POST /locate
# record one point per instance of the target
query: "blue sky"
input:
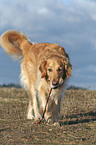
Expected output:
(70, 23)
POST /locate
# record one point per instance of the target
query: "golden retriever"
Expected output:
(44, 66)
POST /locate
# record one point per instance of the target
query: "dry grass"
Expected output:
(77, 120)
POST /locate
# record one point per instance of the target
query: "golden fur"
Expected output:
(43, 66)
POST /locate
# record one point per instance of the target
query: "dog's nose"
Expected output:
(54, 82)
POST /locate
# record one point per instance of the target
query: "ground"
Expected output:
(77, 120)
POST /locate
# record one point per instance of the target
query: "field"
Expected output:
(77, 120)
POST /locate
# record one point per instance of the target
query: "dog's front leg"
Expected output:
(34, 105)
(54, 110)
(30, 112)
(43, 100)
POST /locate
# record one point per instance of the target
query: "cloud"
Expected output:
(70, 23)
(85, 77)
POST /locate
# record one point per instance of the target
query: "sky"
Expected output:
(70, 23)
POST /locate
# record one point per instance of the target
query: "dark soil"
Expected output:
(77, 120)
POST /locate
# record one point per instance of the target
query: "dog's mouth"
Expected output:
(57, 86)
(54, 87)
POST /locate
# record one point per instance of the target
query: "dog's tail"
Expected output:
(14, 43)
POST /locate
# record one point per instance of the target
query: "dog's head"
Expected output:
(55, 70)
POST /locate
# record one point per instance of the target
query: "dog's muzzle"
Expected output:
(55, 84)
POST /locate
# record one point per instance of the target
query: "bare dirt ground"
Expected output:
(77, 120)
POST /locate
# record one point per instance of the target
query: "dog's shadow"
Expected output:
(78, 118)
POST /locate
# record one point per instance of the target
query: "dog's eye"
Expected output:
(50, 70)
(59, 69)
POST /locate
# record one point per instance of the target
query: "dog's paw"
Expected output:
(49, 120)
(30, 117)
(38, 117)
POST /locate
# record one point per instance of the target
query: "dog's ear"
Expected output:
(66, 62)
(68, 69)
(67, 66)
(43, 68)
(14, 43)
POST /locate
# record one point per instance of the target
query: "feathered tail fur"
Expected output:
(14, 43)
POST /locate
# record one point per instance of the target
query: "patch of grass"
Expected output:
(77, 120)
